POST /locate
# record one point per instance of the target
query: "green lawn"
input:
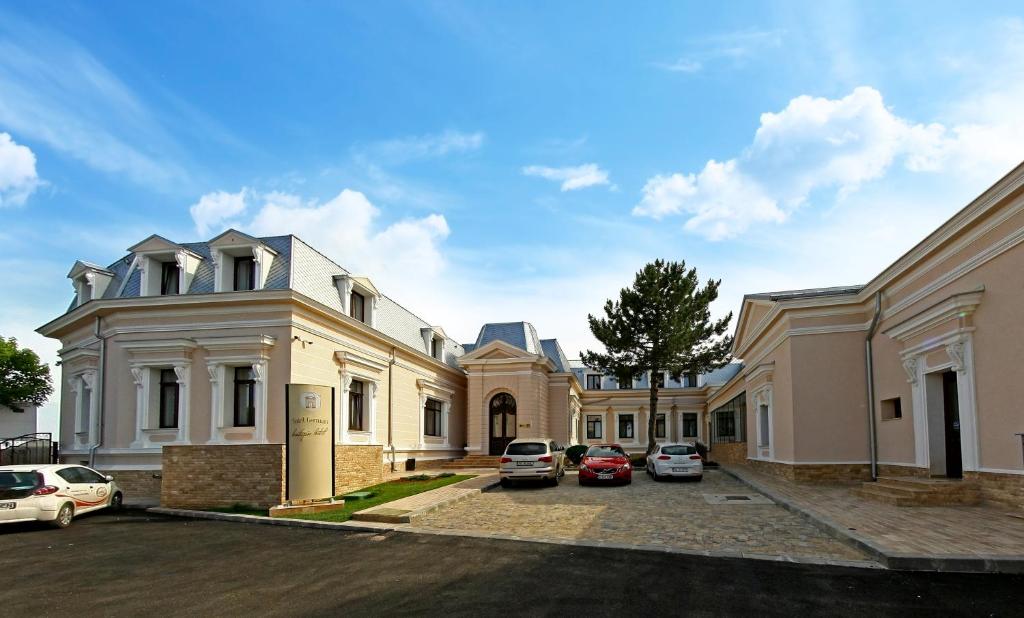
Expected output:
(385, 492)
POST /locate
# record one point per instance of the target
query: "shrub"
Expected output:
(638, 460)
(575, 453)
(417, 477)
(445, 475)
(702, 449)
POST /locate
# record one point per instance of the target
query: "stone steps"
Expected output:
(473, 461)
(914, 491)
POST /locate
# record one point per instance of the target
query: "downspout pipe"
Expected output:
(391, 399)
(100, 380)
(869, 367)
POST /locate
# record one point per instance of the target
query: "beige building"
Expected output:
(175, 360)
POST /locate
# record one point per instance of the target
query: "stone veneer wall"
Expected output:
(731, 452)
(221, 475)
(137, 484)
(891, 470)
(1004, 489)
(357, 466)
(814, 473)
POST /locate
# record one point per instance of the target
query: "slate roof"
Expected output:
(520, 334)
(808, 293)
(554, 351)
(722, 375)
(296, 266)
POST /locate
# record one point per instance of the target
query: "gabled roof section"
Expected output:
(83, 267)
(756, 306)
(554, 352)
(519, 334)
(233, 238)
(363, 282)
(154, 243)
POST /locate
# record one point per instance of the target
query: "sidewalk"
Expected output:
(949, 538)
(407, 510)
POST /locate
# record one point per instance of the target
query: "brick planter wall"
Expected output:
(357, 466)
(1004, 489)
(137, 484)
(732, 452)
(221, 475)
(814, 473)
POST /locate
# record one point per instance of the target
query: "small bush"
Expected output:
(638, 461)
(445, 475)
(575, 453)
(417, 477)
(702, 449)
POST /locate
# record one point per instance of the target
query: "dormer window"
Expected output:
(244, 274)
(659, 380)
(434, 348)
(433, 341)
(90, 281)
(357, 306)
(169, 278)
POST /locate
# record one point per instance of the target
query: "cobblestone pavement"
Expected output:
(672, 514)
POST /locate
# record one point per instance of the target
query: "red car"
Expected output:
(605, 463)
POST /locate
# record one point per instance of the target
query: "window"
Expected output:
(168, 278)
(729, 421)
(527, 448)
(85, 407)
(356, 420)
(435, 349)
(689, 425)
(690, 380)
(659, 380)
(726, 425)
(245, 397)
(168, 399)
(594, 428)
(605, 451)
(594, 382)
(763, 424)
(892, 409)
(659, 426)
(357, 306)
(85, 475)
(679, 449)
(71, 475)
(625, 383)
(626, 426)
(245, 273)
(432, 418)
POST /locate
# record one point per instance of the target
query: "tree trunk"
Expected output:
(652, 417)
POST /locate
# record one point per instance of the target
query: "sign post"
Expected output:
(309, 412)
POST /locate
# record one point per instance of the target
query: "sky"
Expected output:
(495, 161)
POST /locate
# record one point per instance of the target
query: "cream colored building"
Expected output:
(181, 346)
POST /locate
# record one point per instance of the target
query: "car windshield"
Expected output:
(18, 480)
(605, 451)
(681, 449)
(527, 448)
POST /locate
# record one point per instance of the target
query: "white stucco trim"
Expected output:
(636, 428)
(763, 397)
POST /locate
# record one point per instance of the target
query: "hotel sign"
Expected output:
(310, 441)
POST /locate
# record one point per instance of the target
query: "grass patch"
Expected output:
(386, 492)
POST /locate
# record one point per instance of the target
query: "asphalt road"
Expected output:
(134, 564)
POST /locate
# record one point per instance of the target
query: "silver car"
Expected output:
(532, 459)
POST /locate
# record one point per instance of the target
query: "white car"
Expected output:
(532, 459)
(54, 493)
(679, 460)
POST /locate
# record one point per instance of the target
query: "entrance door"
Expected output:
(503, 422)
(951, 414)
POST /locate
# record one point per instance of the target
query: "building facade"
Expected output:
(176, 354)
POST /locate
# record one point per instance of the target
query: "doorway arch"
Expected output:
(502, 410)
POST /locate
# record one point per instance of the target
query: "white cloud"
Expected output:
(682, 65)
(214, 209)
(573, 177)
(18, 178)
(816, 144)
(401, 150)
(732, 47)
(402, 257)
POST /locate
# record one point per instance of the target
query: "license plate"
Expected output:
(524, 463)
(6, 505)
(604, 477)
(679, 469)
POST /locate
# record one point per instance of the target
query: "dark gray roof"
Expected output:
(520, 334)
(554, 351)
(295, 266)
(808, 293)
(468, 347)
(722, 375)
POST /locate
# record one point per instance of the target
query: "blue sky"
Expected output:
(495, 161)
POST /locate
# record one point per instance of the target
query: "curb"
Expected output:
(406, 529)
(970, 563)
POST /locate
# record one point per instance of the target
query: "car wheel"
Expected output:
(582, 483)
(116, 501)
(64, 516)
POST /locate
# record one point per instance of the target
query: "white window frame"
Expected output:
(446, 395)
(587, 423)
(347, 284)
(636, 428)
(682, 424)
(146, 376)
(85, 433)
(369, 371)
(223, 355)
(762, 398)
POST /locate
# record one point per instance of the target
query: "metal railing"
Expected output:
(31, 448)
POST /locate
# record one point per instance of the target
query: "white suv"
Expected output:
(54, 493)
(532, 459)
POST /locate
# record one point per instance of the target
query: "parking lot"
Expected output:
(710, 515)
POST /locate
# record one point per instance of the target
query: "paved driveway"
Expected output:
(673, 514)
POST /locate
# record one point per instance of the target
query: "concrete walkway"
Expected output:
(948, 538)
(408, 510)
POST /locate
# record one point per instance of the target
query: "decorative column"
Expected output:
(182, 372)
(259, 370)
(139, 377)
(419, 414)
(216, 400)
(373, 411)
(342, 430)
(257, 270)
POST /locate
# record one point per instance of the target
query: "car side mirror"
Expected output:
(109, 478)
